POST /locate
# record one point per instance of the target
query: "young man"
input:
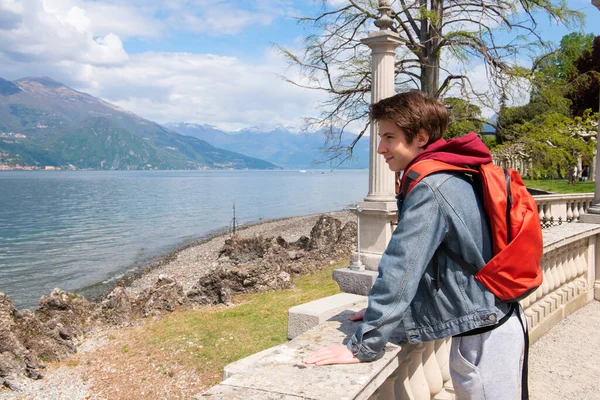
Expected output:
(420, 294)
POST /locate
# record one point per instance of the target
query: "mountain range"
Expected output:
(45, 123)
(280, 146)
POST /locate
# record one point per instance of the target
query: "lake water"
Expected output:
(72, 229)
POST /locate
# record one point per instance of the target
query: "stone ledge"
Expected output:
(245, 364)
(308, 315)
(281, 374)
(559, 236)
(240, 393)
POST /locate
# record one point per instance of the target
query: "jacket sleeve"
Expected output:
(421, 228)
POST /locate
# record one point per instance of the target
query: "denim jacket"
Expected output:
(416, 299)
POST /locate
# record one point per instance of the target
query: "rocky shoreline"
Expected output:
(258, 258)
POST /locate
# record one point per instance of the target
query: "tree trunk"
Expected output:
(430, 37)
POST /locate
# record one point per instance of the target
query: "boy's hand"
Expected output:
(357, 317)
(334, 354)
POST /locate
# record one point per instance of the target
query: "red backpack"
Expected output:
(514, 270)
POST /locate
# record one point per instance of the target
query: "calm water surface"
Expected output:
(72, 229)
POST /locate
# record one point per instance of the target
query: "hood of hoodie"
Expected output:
(464, 150)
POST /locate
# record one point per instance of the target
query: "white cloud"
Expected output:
(55, 31)
(80, 43)
(223, 19)
(102, 18)
(221, 91)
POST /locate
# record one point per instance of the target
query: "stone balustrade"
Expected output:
(418, 372)
(556, 209)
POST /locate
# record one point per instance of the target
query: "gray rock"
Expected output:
(325, 232)
(166, 295)
(116, 307)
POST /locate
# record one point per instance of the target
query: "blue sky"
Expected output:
(199, 61)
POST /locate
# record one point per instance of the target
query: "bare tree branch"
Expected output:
(431, 31)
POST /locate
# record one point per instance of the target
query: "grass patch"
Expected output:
(210, 338)
(560, 186)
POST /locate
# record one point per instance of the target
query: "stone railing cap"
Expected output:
(283, 373)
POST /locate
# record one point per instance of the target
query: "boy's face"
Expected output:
(393, 146)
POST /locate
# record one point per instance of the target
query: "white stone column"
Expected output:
(379, 211)
(383, 46)
(592, 214)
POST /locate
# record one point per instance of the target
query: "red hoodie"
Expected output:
(465, 150)
(461, 151)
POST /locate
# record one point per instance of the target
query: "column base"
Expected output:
(590, 217)
(383, 198)
(355, 282)
(593, 209)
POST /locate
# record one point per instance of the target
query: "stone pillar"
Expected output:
(383, 50)
(592, 214)
(379, 206)
(379, 209)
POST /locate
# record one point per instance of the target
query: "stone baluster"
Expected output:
(448, 383)
(443, 357)
(580, 268)
(547, 266)
(543, 305)
(566, 270)
(561, 259)
(561, 266)
(572, 268)
(555, 298)
(387, 390)
(433, 374)
(418, 381)
(555, 272)
(551, 274)
(547, 212)
(535, 311)
(526, 302)
(573, 262)
(582, 279)
(576, 207)
(541, 211)
(582, 261)
(537, 294)
(402, 386)
(569, 211)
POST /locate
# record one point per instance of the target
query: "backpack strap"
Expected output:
(421, 169)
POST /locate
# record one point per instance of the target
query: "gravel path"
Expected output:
(565, 362)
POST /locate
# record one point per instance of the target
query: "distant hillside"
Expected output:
(279, 146)
(45, 123)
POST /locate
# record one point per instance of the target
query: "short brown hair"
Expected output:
(412, 111)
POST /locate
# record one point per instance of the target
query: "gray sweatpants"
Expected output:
(488, 366)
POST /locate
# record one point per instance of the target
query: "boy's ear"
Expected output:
(422, 138)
